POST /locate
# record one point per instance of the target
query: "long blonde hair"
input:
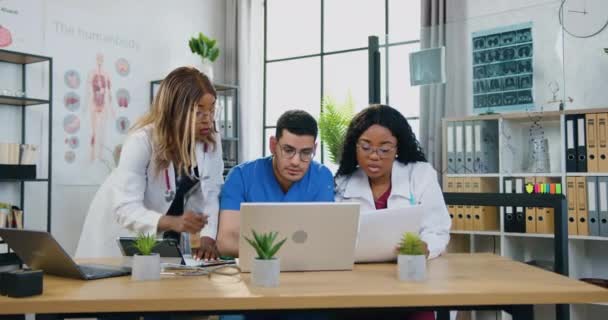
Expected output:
(173, 119)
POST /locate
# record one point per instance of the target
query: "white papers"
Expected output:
(381, 230)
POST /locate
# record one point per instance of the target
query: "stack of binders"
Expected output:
(586, 142)
(449, 185)
(472, 146)
(530, 219)
(514, 220)
(472, 218)
(587, 206)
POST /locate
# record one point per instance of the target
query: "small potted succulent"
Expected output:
(266, 267)
(412, 258)
(146, 265)
(207, 49)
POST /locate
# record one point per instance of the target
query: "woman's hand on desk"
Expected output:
(207, 251)
(188, 222)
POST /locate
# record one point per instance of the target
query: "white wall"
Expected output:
(466, 17)
(162, 27)
(578, 65)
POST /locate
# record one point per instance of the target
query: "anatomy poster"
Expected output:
(99, 93)
(21, 26)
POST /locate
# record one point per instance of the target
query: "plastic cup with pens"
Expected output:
(190, 242)
(184, 245)
(195, 241)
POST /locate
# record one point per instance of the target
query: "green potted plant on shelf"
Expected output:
(266, 267)
(411, 261)
(207, 49)
(333, 123)
(146, 264)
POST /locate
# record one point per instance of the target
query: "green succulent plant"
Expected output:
(333, 123)
(204, 47)
(145, 243)
(264, 244)
(411, 245)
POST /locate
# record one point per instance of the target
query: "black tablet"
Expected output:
(167, 248)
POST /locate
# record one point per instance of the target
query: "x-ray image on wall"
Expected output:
(503, 69)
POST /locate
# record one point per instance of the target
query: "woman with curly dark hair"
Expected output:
(382, 166)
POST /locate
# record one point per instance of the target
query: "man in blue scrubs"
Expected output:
(289, 175)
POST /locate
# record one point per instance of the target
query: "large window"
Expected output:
(317, 48)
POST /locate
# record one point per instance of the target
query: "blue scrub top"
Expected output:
(254, 181)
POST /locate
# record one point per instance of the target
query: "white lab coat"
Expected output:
(132, 199)
(418, 179)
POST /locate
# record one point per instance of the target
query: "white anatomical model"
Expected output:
(100, 104)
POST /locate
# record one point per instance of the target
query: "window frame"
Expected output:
(322, 54)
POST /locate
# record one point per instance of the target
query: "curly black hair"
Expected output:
(408, 147)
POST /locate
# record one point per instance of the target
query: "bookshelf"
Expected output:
(19, 174)
(587, 253)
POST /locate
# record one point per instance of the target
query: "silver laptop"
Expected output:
(320, 235)
(39, 250)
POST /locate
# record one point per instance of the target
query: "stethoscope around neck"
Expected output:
(411, 198)
(169, 192)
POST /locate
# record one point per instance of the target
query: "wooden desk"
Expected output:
(455, 280)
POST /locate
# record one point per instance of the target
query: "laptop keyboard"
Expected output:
(101, 271)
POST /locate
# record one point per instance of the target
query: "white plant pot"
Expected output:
(146, 267)
(265, 273)
(411, 268)
(207, 69)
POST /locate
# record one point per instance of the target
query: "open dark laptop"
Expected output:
(39, 250)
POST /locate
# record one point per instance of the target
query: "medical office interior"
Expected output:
(505, 96)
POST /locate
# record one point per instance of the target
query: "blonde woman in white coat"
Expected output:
(169, 175)
(383, 166)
